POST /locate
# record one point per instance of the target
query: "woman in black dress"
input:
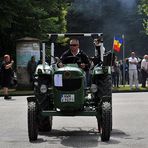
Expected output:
(6, 71)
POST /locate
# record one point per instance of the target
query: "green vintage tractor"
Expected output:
(61, 92)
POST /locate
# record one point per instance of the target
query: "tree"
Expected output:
(111, 18)
(143, 9)
(33, 18)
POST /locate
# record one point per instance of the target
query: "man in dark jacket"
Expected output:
(80, 57)
(31, 67)
(6, 72)
(75, 55)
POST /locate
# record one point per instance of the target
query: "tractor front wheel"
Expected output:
(45, 124)
(105, 121)
(32, 121)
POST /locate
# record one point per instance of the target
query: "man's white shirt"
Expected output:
(132, 66)
(144, 65)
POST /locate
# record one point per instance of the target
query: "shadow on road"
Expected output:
(119, 134)
(115, 135)
(79, 137)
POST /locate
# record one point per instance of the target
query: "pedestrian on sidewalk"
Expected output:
(6, 71)
(133, 72)
(144, 70)
(31, 67)
(116, 72)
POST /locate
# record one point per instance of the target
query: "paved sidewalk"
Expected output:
(14, 92)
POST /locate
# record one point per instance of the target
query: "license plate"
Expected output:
(68, 98)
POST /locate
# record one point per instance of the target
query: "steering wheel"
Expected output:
(72, 60)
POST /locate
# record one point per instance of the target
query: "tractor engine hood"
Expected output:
(70, 71)
(69, 88)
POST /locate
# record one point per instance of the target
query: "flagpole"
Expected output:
(123, 60)
(112, 52)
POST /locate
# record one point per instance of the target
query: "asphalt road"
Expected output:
(130, 126)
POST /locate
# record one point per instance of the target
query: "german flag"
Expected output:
(117, 43)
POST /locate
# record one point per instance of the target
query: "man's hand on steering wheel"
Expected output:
(82, 65)
(60, 65)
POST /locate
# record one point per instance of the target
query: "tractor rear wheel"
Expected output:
(106, 121)
(104, 84)
(32, 121)
(45, 124)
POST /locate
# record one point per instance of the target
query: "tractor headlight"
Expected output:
(93, 88)
(43, 88)
(47, 71)
(35, 83)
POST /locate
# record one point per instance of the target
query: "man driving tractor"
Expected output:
(76, 52)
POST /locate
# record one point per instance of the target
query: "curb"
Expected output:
(128, 91)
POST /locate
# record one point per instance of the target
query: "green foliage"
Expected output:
(143, 9)
(34, 18)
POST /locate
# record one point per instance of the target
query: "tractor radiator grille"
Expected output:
(70, 85)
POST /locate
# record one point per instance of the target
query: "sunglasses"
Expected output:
(73, 44)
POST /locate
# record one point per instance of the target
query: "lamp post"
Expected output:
(123, 60)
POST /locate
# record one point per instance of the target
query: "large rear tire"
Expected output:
(45, 124)
(104, 84)
(106, 121)
(32, 121)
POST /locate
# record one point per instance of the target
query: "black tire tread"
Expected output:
(104, 84)
(32, 121)
(45, 124)
(106, 121)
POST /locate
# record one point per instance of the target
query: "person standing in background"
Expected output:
(31, 67)
(126, 71)
(115, 72)
(6, 71)
(144, 70)
(133, 73)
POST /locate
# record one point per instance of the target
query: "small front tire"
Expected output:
(45, 124)
(32, 121)
(106, 121)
